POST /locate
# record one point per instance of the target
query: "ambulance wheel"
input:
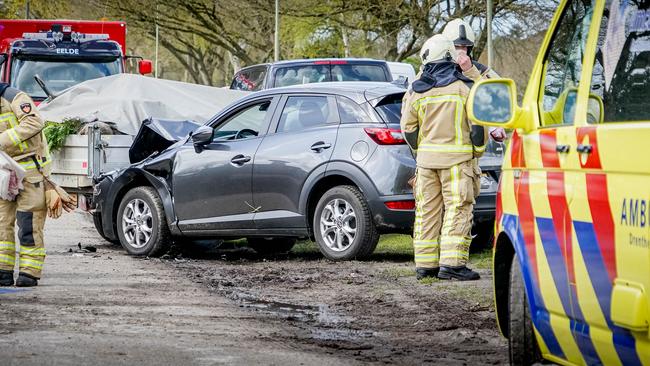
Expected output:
(141, 224)
(343, 225)
(522, 344)
(265, 246)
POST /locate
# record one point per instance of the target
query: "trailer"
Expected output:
(126, 103)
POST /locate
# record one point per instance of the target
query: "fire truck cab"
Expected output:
(62, 53)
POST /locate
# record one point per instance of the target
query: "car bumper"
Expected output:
(401, 221)
(484, 208)
(392, 221)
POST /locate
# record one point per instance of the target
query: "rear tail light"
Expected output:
(386, 136)
(400, 205)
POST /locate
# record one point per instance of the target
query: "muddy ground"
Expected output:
(215, 305)
(370, 311)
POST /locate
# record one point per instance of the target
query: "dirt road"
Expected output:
(106, 308)
(226, 305)
(373, 311)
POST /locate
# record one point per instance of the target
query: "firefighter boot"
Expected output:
(422, 273)
(6, 278)
(461, 273)
(26, 280)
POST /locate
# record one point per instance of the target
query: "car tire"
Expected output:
(141, 224)
(97, 220)
(522, 345)
(264, 246)
(484, 238)
(349, 235)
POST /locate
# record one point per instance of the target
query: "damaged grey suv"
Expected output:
(325, 161)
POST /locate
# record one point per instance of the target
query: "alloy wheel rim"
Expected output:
(137, 223)
(338, 225)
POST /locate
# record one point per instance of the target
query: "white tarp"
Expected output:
(128, 99)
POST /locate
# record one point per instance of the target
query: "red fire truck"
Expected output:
(62, 53)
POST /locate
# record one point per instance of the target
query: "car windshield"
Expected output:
(390, 110)
(355, 72)
(58, 75)
(318, 73)
(296, 75)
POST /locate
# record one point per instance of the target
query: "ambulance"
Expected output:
(572, 244)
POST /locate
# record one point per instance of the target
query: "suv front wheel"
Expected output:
(141, 224)
(343, 225)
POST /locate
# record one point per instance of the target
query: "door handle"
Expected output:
(240, 159)
(320, 146)
(563, 148)
(585, 149)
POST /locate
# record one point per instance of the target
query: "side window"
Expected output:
(620, 83)
(564, 62)
(301, 112)
(351, 112)
(247, 123)
(250, 79)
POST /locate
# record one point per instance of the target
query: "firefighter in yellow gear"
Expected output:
(21, 137)
(435, 126)
(461, 33)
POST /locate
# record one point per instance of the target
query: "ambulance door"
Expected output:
(610, 208)
(550, 156)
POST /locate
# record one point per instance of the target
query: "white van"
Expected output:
(402, 69)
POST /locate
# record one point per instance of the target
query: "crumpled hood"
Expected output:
(156, 135)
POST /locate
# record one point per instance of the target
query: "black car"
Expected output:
(326, 161)
(297, 72)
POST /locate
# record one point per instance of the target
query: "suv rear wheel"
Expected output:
(141, 224)
(521, 340)
(343, 225)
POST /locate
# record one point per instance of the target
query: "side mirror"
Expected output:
(595, 109)
(491, 102)
(144, 67)
(202, 136)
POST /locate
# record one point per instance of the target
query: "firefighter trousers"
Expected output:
(444, 203)
(28, 211)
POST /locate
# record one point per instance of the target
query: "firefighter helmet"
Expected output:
(460, 32)
(438, 48)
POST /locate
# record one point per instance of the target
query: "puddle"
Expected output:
(327, 324)
(340, 334)
(320, 314)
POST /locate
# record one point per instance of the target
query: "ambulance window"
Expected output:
(620, 82)
(563, 64)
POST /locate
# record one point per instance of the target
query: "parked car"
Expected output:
(402, 70)
(326, 161)
(296, 72)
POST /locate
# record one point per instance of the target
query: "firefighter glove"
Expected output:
(53, 201)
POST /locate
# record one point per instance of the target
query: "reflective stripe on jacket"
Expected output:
(439, 118)
(21, 133)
